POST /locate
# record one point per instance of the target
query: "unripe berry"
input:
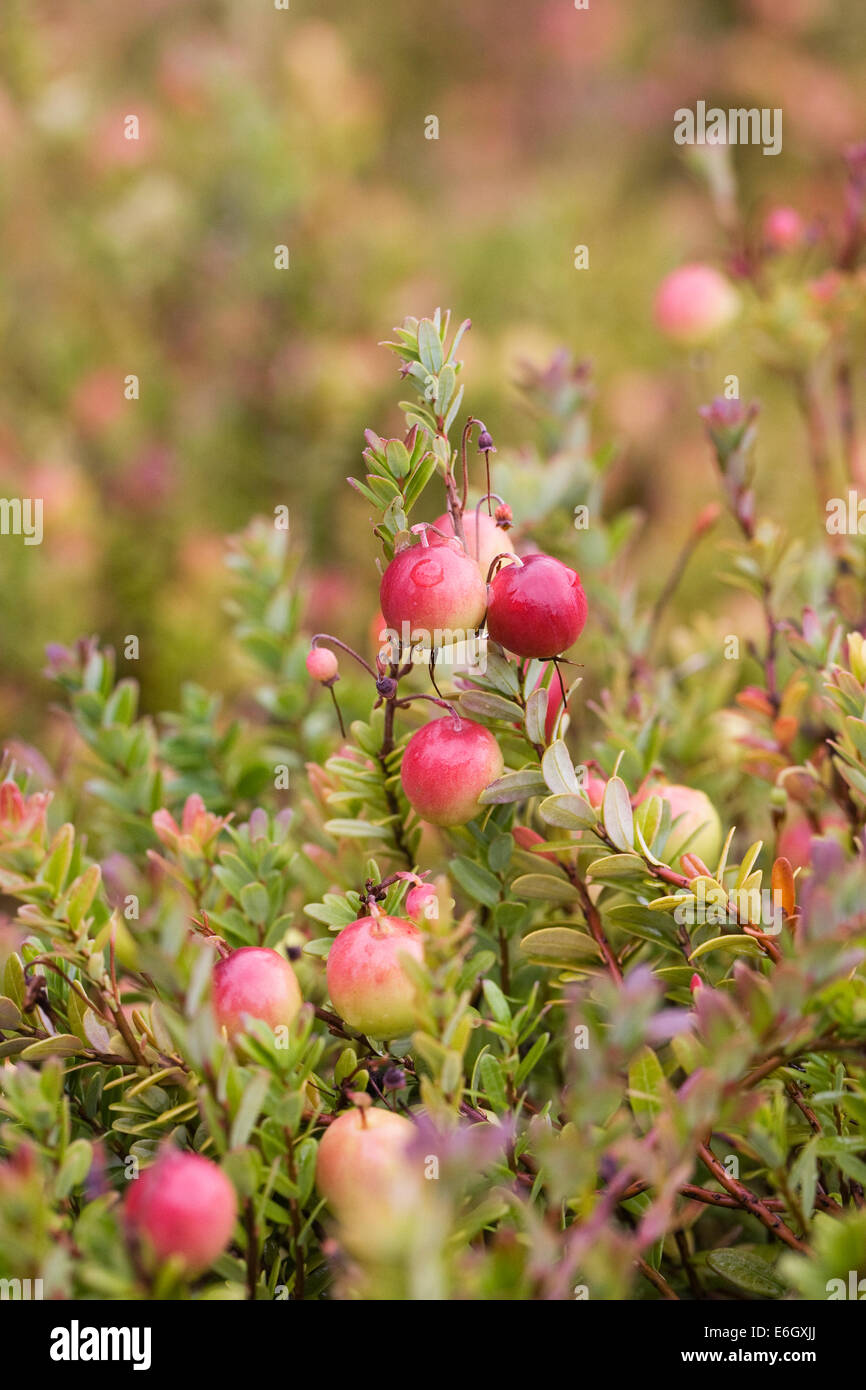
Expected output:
(254, 983)
(537, 608)
(446, 766)
(433, 588)
(367, 982)
(696, 822)
(694, 303)
(182, 1205)
(484, 539)
(322, 664)
(364, 1173)
(527, 838)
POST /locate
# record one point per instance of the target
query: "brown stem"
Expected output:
(657, 1280)
(752, 1204)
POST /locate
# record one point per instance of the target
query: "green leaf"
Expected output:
(617, 814)
(500, 852)
(746, 1271)
(536, 714)
(74, 1168)
(255, 903)
(14, 986)
(356, 830)
(646, 1085)
(559, 946)
(455, 406)
(532, 1058)
(10, 1014)
(544, 888)
(447, 384)
(305, 1166)
(490, 706)
(497, 1002)
(429, 346)
(397, 458)
(320, 947)
(477, 881)
(514, 786)
(558, 769)
(59, 1045)
(616, 866)
(81, 895)
(733, 942)
(568, 811)
(249, 1109)
(493, 1082)
(418, 480)
(56, 866)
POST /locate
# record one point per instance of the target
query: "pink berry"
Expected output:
(362, 1162)
(367, 982)
(432, 589)
(694, 303)
(484, 539)
(254, 983)
(783, 228)
(537, 608)
(446, 766)
(322, 664)
(420, 899)
(182, 1205)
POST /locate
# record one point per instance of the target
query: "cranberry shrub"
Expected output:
(585, 1030)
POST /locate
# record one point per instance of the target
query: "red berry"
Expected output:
(537, 608)
(432, 588)
(368, 985)
(254, 982)
(322, 664)
(182, 1205)
(446, 767)
(484, 539)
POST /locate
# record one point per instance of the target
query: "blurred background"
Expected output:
(260, 127)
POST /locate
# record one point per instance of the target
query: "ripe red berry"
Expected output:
(182, 1205)
(446, 766)
(365, 1175)
(484, 539)
(367, 982)
(537, 608)
(322, 664)
(432, 588)
(254, 983)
